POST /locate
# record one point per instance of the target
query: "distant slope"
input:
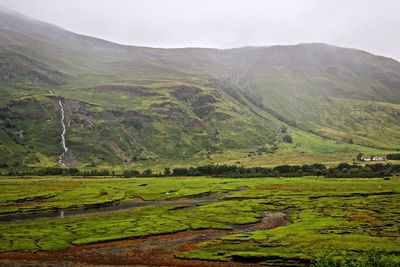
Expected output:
(312, 84)
(132, 105)
(17, 67)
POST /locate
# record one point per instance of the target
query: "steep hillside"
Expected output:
(137, 105)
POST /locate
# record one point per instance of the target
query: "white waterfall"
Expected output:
(64, 130)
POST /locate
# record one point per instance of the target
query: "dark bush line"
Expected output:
(76, 172)
(58, 171)
(240, 171)
(343, 170)
(346, 170)
(393, 156)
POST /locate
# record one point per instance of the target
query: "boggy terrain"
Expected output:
(197, 221)
(158, 250)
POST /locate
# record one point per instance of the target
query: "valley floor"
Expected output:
(199, 221)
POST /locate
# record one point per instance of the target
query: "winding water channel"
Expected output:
(108, 208)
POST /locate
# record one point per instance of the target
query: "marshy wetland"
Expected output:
(196, 221)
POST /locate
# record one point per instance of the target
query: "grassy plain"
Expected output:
(346, 216)
(305, 149)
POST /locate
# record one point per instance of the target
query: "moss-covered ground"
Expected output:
(345, 216)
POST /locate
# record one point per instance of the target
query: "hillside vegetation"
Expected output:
(146, 106)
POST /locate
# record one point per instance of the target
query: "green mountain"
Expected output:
(146, 106)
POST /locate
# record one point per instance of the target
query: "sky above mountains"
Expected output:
(372, 25)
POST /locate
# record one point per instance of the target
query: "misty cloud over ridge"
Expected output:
(371, 25)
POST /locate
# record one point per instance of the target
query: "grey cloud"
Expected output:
(372, 25)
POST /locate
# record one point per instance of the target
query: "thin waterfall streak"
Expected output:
(64, 130)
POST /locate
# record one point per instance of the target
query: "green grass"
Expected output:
(305, 149)
(346, 216)
(60, 193)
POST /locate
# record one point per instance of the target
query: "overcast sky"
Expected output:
(372, 25)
